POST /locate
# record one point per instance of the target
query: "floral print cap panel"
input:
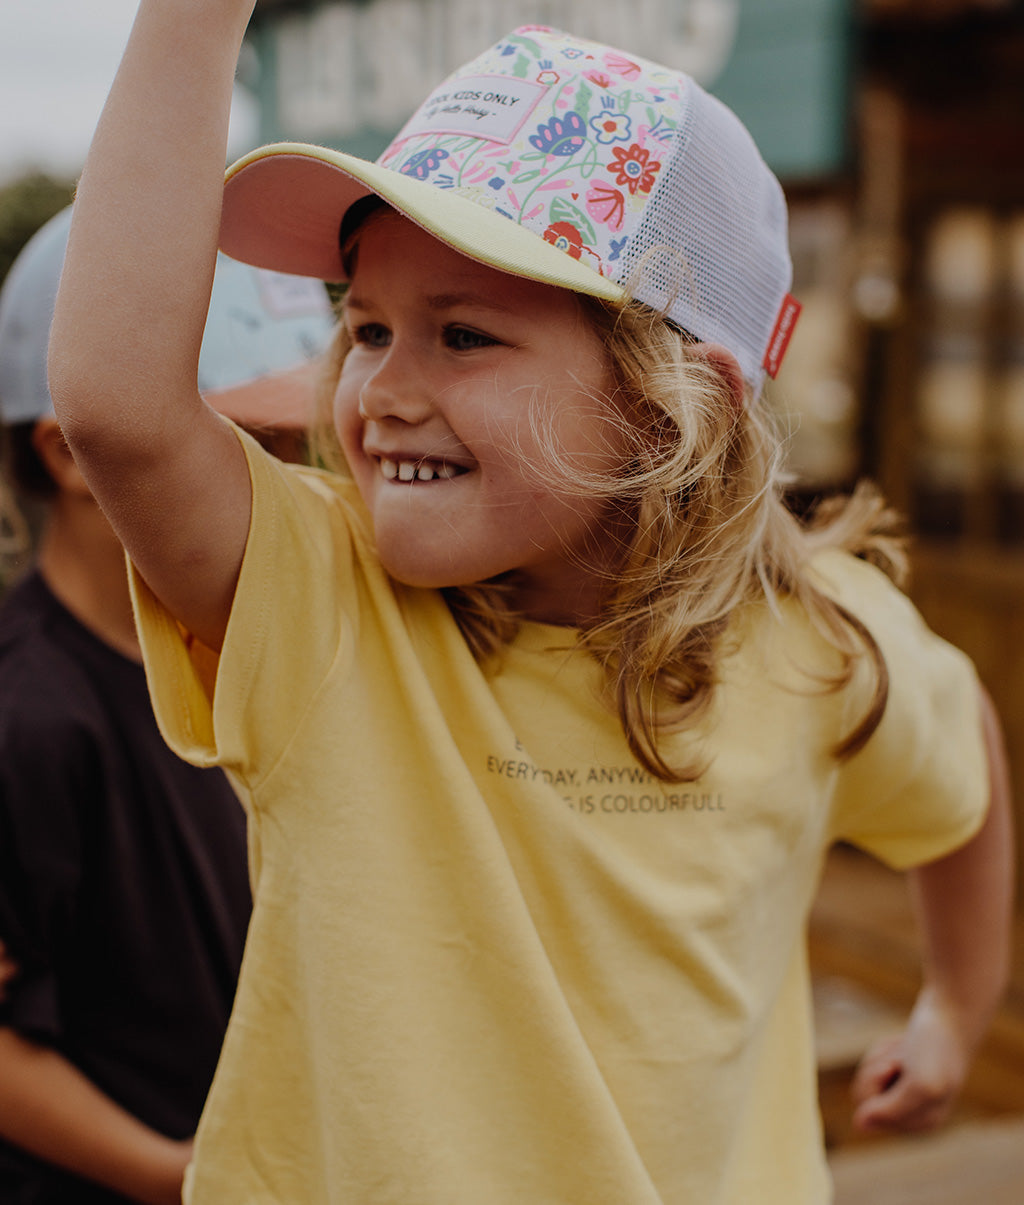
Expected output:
(563, 136)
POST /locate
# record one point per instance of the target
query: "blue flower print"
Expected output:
(617, 245)
(561, 135)
(422, 163)
(610, 126)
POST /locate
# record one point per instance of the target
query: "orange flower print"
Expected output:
(565, 237)
(633, 168)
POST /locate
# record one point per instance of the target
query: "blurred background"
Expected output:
(897, 129)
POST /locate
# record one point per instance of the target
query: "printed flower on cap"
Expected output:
(633, 168)
(620, 65)
(560, 135)
(610, 126)
(422, 163)
(565, 237)
(607, 205)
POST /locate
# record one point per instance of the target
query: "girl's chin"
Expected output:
(423, 573)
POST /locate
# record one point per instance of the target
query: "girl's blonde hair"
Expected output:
(707, 530)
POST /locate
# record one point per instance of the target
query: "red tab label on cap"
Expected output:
(789, 312)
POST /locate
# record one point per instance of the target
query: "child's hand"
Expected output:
(910, 1082)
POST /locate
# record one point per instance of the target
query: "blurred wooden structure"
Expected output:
(940, 180)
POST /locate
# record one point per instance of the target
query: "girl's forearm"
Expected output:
(50, 1109)
(965, 904)
(132, 306)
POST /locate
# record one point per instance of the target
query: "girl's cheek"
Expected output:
(346, 401)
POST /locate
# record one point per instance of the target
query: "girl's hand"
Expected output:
(910, 1082)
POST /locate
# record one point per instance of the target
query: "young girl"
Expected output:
(546, 712)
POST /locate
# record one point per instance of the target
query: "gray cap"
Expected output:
(259, 323)
(26, 311)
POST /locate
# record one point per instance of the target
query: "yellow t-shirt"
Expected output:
(492, 961)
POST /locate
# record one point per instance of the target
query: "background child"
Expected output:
(123, 890)
(563, 708)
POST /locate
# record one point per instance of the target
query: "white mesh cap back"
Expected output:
(711, 247)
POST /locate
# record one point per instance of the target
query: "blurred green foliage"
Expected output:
(25, 204)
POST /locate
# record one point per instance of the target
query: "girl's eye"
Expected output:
(371, 334)
(462, 338)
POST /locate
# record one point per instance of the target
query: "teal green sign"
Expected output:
(788, 79)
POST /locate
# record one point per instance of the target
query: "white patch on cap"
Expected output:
(493, 107)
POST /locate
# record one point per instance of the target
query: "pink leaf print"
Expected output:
(620, 65)
(606, 205)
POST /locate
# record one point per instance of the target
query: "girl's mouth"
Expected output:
(419, 470)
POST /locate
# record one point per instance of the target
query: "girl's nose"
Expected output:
(397, 389)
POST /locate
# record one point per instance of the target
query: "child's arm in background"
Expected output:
(8, 970)
(132, 305)
(50, 1109)
(965, 904)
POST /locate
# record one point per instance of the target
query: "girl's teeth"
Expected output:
(409, 470)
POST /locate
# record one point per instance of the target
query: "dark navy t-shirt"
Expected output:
(124, 890)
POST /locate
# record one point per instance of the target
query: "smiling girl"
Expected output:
(544, 709)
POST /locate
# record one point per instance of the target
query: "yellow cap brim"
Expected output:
(283, 206)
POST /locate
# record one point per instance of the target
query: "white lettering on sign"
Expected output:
(344, 67)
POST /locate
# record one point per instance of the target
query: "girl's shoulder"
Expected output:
(792, 629)
(863, 589)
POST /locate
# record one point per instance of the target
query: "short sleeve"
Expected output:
(291, 618)
(919, 788)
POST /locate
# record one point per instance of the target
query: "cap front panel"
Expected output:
(562, 136)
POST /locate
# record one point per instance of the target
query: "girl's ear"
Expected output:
(52, 449)
(727, 365)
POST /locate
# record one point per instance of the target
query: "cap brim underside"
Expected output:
(283, 206)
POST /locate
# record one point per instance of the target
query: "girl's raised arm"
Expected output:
(132, 305)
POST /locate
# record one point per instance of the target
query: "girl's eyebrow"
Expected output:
(439, 301)
(450, 301)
